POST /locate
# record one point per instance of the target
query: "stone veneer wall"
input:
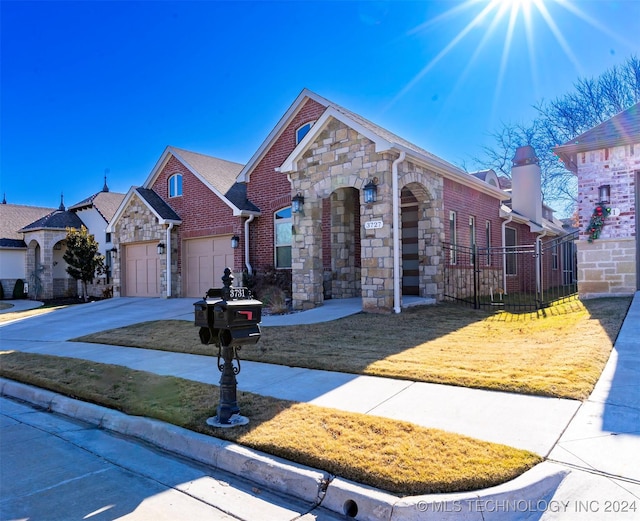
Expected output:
(46, 239)
(607, 266)
(339, 158)
(139, 224)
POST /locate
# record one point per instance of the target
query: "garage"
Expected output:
(204, 262)
(142, 270)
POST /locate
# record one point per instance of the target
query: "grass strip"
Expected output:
(558, 352)
(395, 456)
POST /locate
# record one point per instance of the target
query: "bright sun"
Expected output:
(497, 16)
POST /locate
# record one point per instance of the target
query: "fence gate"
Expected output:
(516, 278)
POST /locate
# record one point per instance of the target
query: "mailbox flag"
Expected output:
(248, 314)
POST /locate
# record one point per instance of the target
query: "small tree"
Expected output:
(82, 257)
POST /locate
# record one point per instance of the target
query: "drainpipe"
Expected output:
(169, 227)
(504, 256)
(396, 232)
(246, 244)
(539, 260)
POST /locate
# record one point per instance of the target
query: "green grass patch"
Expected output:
(396, 456)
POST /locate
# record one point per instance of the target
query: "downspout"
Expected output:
(396, 232)
(169, 227)
(246, 243)
(539, 260)
(504, 255)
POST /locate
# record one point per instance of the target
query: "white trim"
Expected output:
(127, 198)
(382, 145)
(245, 175)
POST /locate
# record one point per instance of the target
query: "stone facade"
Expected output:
(138, 224)
(607, 267)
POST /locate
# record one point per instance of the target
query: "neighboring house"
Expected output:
(606, 160)
(317, 199)
(39, 241)
(13, 249)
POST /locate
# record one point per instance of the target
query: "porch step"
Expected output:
(410, 301)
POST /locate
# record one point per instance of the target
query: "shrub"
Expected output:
(18, 289)
(275, 299)
(268, 277)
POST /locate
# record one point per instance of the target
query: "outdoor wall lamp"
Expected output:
(235, 242)
(604, 194)
(297, 203)
(371, 191)
(160, 248)
(114, 252)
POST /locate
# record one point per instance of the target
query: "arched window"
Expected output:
(175, 185)
(302, 131)
(282, 237)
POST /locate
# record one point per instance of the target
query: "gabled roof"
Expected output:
(106, 204)
(621, 129)
(14, 217)
(218, 174)
(385, 140)
(155, 203)
(56, 220)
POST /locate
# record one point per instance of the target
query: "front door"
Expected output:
(410, 258)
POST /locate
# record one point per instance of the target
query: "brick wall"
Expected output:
(608, 265)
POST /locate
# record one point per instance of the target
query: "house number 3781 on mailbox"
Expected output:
(372, 225)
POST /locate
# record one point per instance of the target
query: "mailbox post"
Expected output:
(229, 318)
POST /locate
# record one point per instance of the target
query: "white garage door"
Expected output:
(142, 270)
(204, 263)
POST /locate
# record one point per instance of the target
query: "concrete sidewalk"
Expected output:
(598, 440)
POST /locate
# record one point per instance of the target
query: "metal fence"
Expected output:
(519, 278)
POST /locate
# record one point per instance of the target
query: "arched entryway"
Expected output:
(410, 257)
(342, 244)
(420, 236)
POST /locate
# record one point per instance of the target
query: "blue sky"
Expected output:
(93, 86)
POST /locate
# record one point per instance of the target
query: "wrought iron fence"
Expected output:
(519, 278)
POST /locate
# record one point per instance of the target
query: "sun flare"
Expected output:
(508, 20)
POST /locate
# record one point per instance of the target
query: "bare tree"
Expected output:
(592, 101)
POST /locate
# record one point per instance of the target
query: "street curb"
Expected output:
(506, 502)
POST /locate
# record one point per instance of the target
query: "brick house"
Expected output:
(317, 200)
(606, 160)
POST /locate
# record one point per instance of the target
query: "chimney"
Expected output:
(526, 191)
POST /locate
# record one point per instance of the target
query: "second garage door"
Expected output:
(142, 270)
(204, 263)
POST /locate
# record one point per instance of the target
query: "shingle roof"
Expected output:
(12, 243)
(56, 220)
(622, 129)
(237, 194)
(14, 217)
(158, 204)
(106, 203)
(217, 172)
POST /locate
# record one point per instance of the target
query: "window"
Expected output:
(303, 131)
(510, 241)
(472, 238)
(283, 238)
(107, 237)
(175, 185)
(487, 231)
(453, 237)
(554, 256)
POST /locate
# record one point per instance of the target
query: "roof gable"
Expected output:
(217, 174)
(105, 203)
(164, 213)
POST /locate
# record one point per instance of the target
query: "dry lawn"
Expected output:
(559, 352)
(396, 456)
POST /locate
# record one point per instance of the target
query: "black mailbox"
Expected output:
(230, 318)
(231, 322)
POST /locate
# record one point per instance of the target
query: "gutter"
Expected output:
(396, 232)
(246, 243)
(168, 267)
(504, 256)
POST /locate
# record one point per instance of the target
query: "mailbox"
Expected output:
(231, 322)
(230, 318)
